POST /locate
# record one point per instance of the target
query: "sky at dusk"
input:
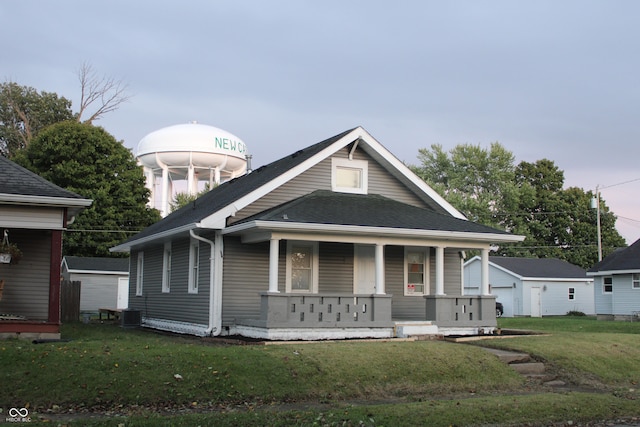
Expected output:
(546, 79)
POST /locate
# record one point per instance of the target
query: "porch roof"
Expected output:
(20, 186)
(371, 212)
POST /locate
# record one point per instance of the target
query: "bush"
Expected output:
(575, 313)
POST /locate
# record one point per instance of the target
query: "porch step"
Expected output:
(529, 368)
(509, 357)
(406, 329)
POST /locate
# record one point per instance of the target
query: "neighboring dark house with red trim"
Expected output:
(338, 240)
(35, 213)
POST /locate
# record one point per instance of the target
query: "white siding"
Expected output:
(31, 217)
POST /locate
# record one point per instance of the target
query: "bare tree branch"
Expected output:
(107, 93)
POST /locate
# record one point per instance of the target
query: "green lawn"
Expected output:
(143, 378)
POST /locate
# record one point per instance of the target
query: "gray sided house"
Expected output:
(337, 240)
(34, 213)
(533, 286)
(617, 284)
(104, 281)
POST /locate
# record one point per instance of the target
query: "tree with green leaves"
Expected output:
(527, 199)
(89, 161)
(478, 182)
(24, 112)
(559, 222)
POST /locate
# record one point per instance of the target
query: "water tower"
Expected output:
(188, 154)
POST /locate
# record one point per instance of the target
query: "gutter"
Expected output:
(215, 286)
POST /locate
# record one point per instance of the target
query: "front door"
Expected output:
(364, 273)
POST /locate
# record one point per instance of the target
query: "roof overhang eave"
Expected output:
(611, 272)
(20, 199)
(275, 226)
(127, 246)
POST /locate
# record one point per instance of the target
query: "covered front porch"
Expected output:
(370, 293)
(343, 316)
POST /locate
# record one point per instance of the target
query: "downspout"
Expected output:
(215, 286)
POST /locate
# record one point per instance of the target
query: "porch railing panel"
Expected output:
(461, 311)
(325, 310)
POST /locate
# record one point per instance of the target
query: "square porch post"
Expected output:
(484, 271)
(274, 252)
(439, 270)
(379, 260)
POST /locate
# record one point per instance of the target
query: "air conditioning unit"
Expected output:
(131, 318)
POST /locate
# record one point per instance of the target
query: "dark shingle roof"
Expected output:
(16, 180)
(97, 263)
(328, 207)
(540, 267)
(230, 191)
(623, 259)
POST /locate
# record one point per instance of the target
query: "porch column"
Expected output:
(274, 252)
(484, 272)
(380, 269)
(55, 258)
(439, 270)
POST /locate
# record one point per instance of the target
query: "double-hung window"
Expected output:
(166, 268)
(607, 284)
(302, 267)
(194, 266)
(572, 293)
(635, 280)
(416, 272)
(139, 273)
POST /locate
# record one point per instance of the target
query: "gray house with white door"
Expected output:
(337, 240)
(533, 286)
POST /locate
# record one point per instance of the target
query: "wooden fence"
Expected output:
(69, 301)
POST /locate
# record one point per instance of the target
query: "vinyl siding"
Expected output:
(336, 268)
(604, 302)
(626, 300)
(319, 178)
(97, 290)
(31, 217)
(26, 289)
(178, 304)
(245, 276)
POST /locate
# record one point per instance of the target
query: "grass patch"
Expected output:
(584, 348)
(131, 375)
(106, 366)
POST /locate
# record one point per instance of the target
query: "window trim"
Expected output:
(363, 165)
(604, 285)
(314, 266)
(635, 281)
(166, 268)
(194, 266)
(139, 273)
(426, 271)
(572, 294)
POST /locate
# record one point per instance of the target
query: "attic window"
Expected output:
(349, 176)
